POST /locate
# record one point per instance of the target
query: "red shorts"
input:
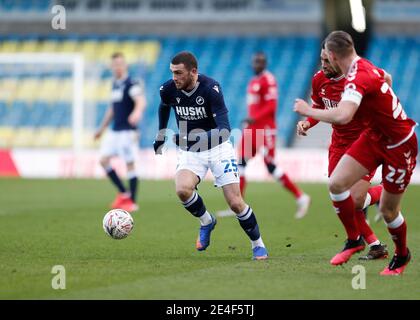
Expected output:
(397, 163)
(335, 154)
(253, 139)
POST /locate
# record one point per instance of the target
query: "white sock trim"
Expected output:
(278, 172)
(191, 200)
(398, 221)
(340, 196)
(374, 243)
(108, 168)
(257, 243)
(241, 170)
(205, 219)
(367, 201)
(131, 174)
(245, 214)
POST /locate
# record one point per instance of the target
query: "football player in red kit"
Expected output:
(327, 87)
(260, 131)
(389, 140)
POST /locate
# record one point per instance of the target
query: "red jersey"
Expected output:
(379, 107)
(326, 94)
(262, 100)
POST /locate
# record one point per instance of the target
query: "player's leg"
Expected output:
(185, 186)
(347, 172)
(397, 227)
(302, 199)
(109, 149)
(376, 249)
(223, 165)
(246, 151)
(397, 169)
(132, 180)
(127, 150)
(246, 218)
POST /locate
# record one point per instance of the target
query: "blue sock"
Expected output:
(133, 188)
(132, 181)
(195, 205)
(249, 223)
(115, 179)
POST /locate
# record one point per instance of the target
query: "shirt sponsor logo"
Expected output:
(191, 113)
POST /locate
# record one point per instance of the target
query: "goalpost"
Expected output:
(77, 64)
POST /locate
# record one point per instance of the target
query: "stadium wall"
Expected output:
(302, 165)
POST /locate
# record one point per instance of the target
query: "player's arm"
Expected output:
(109, 114)
(343, 114)
(304, 125)
(136, 93)
(164, 113)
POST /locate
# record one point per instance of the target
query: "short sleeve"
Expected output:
(316, 99)
(163, 91)
(217, 101)
(136, 90)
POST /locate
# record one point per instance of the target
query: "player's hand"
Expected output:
(247, 121)
(98, 134)
(134, 118)
(302, 127)
(158, 143)
(180, 141)
(302, 107)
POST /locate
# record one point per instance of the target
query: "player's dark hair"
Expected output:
(340, 42)
(260, 53)
(187, 58)
(116, 55)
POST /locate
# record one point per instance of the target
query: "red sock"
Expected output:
(346, 213)
(242, 185)
(364, 228)
(289, 185)
(399, 236)
(375, 193)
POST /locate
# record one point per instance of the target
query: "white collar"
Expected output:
(189, 94)
(352, 64)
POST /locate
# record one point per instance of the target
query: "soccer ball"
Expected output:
(118, 223)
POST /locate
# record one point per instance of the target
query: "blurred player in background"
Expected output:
(327, 87)
(389, 140)
(128, 104)
(260, 131)
(203, 142)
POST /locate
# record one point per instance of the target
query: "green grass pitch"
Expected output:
(59, 222)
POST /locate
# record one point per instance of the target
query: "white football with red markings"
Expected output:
(118, 223)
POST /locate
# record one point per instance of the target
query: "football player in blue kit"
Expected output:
(128, 104)
(203, 144)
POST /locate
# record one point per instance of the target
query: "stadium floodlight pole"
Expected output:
(78, 65)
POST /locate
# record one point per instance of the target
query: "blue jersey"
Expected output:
(123, 94)
(201, 108)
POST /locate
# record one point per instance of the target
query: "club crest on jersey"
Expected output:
(199, 100)
(178, 100)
